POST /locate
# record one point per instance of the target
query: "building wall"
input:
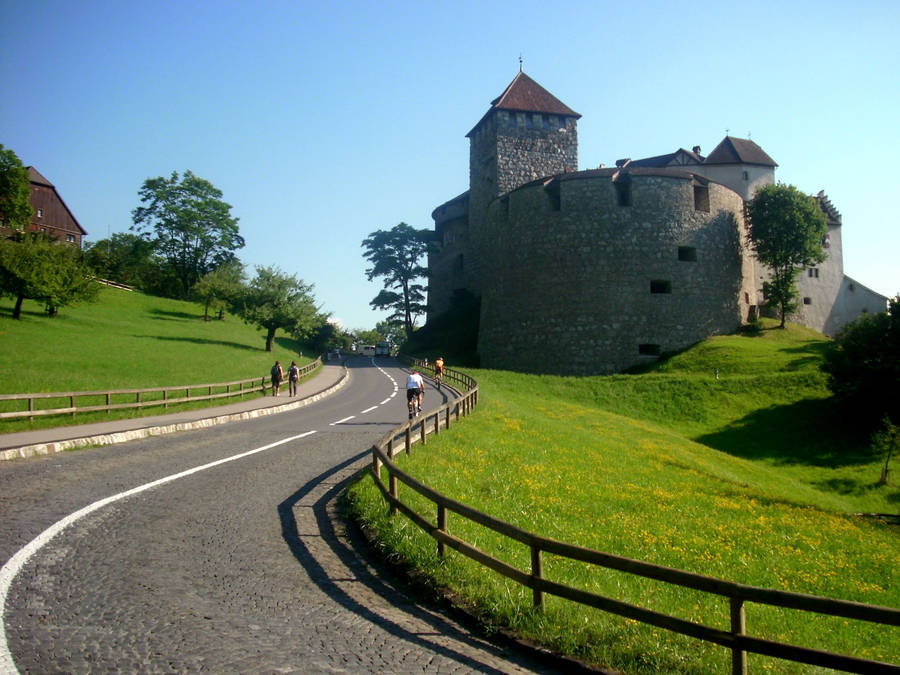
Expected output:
(447, 265)
(733, 175)
(508, 149)
(575, 284)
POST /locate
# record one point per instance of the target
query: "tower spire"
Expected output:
(520, 62)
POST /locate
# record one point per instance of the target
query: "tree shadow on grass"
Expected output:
(200, 341)
(811, 353)
(165, 315)
(815, 433)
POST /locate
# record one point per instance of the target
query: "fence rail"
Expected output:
(120, 399)
(735, 639)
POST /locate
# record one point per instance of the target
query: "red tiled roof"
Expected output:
(525, 95)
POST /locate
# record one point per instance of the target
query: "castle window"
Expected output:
(660, 286)
(553, 195)
(647, 349)
(40, 213)
(623, 192)
(70, 238)
(813, 272)
(701, 198)
(807, 301)
(687, 253)
(746, 176)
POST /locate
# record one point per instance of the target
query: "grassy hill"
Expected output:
(749, 477)
(127, 340)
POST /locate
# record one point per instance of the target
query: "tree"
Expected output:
(391, 331)
(275, 300)
(193, 228)
(125, 258)
(221, 286)
(787, 229)
(863, 366)
(15, 192)
(395, 255)
(32, 267)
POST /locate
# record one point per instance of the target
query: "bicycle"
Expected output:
(438, 379)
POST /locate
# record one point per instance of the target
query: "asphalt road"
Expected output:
(219, 550)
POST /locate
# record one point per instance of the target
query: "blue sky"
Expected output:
(323, 122)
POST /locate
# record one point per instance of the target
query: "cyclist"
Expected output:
(415, 388)
(439, 371)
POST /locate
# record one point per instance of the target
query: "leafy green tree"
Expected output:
(391, 331)
(274, 300)
(368, 337)
(15, 192)
(193, 229)
(395, 255)
(33, 267)
(124, 257)
(863, 366)
(787, 229)
(220, 287)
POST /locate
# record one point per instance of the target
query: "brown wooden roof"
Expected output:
(54, 211)
(739, 151)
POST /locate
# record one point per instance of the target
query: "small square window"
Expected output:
(807, 301)
(687, 253)
(660, 286)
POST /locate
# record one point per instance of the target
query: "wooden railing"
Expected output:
(121, 399)
(735, 639)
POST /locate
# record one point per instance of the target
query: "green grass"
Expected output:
(751, 478)
(127, 340)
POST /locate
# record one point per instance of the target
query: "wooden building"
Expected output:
(51, 215)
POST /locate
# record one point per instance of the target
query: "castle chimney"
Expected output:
(696, 149)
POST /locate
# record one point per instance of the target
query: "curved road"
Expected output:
(219, 550)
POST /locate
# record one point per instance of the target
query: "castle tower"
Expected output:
(526, 134)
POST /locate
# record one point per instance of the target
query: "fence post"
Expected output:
(424, 432)
(376, 465)
(537, 570)
(408, 439)
(72, 405)
(738, 627)
(30, 408)
(165, 399)
(107, 401)
(394, 494)
(437, 422)
(390, 447)
(442, 526)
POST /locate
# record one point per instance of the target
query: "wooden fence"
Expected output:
(736, 639)
(43, 404)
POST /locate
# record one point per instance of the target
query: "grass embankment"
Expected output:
(750, 477)
(126, 340)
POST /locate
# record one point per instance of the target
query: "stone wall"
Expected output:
(572, 276)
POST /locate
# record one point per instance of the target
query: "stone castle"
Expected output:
(610, 267)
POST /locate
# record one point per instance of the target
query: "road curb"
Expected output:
(50, 448)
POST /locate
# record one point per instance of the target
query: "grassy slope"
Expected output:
(127, 340)
(613, 463)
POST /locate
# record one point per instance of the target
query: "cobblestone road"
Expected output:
(244, 567)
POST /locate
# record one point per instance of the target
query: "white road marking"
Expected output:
(346, 419)
(15, 564)
(386, 400)
(374, 407)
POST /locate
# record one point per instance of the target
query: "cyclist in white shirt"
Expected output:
(415, 388)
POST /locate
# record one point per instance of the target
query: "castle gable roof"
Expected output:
(525, 95)
(680, 157)
(833, 215)
(739, 151)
